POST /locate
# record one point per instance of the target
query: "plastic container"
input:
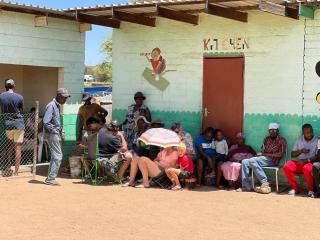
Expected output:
(75, 166)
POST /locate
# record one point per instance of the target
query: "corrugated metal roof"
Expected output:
(28, 6)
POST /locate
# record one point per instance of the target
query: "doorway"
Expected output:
(223, 90)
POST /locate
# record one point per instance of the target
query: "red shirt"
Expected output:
(185, 163)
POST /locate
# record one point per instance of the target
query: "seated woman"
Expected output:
(167, 158)
(205, 152)
(232, 168)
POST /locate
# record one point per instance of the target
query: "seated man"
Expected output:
(205, 153)
(273, 148)
(305, 149)
(316, 172)
(111, 142)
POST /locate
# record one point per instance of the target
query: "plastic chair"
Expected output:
(273, 168)
(102, 167)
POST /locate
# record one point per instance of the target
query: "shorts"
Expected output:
(15, 135)
(185, 174)
(220, 158)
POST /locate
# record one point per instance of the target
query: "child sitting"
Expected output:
(184, 171)
(221, 147)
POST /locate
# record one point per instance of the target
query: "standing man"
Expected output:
(305, 150)
(273, 149)
(12, 105)
(87, 110)
(54, 134)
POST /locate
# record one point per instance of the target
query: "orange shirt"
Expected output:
(87, 111)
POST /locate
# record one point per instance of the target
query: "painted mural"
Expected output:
(155, 72)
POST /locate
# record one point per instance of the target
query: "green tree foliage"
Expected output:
(103, 71)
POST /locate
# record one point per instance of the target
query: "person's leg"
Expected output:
(18, 140)
(257, 164)
(56, 157)
(133, 170)
(148, 168)
(316, 175)
(219, 174)
(245, 169)
(125, 165)
(307, 169)
(172, 176)
(199, 170)
(290, 169)
(18, 157)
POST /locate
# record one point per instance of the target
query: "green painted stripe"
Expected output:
(307, 12)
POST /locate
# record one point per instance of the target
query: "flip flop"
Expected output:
(142, 186)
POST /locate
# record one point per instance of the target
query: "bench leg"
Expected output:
(277, 182)
(252, 179)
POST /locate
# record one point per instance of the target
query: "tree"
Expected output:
(103, 71)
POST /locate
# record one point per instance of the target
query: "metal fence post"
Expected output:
(35, 144)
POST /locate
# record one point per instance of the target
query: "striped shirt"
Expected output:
(274, 146)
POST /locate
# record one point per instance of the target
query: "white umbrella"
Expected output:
(160, 137)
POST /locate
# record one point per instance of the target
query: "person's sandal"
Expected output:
(176, 188)
(128, 184)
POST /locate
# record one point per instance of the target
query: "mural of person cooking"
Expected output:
(158, 63)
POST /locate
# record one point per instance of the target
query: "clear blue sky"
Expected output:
(98, 33)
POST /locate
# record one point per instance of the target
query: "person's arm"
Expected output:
(47, 121)
(148, 115)
(279, 154)
(124, 147)
(226, 147)
(296, 151)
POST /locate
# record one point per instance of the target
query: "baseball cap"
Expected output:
(9, 82)
(63, 92)
(273, 126)
(86, 97)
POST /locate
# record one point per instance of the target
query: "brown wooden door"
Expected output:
(223, 94)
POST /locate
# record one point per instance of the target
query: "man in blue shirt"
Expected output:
(53, 133)
(205, 152)
(11, 105)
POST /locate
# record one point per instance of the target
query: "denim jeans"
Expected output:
(256, 164)
(56, 156)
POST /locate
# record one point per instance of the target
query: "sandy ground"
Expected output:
(32, 210)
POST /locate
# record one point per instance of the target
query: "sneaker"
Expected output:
(176, 188)
(311, 194)
(52, 183)
(292, 192)
(263, 189)
(243, 190)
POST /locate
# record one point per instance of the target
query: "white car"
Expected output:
(88, 78)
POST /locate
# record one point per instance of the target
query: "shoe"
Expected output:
(52, 183)
(176, 188)
(264, 189)
(292, 192)
(243, 190)
(311, 194)
(128, 184)
(316, 195)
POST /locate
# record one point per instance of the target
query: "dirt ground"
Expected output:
(32, 210)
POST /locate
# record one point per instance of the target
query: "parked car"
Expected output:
(88, 78)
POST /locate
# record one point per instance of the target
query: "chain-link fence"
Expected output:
(18, 143)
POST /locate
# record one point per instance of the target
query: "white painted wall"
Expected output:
(312, 56)
(273, 64)
(58, 45)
